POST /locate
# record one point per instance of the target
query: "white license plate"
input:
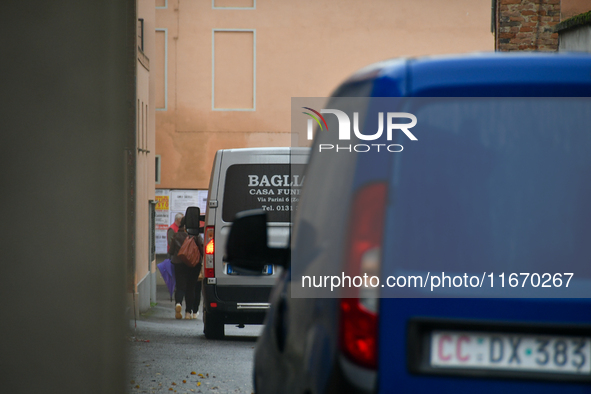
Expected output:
(267, 270)
(511, 352)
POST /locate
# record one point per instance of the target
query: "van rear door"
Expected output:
(267, 178)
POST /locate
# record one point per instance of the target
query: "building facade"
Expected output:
(525, 25)
(531, 25)
(574, 30)
(226, 70)
(141, 267)
(574, 34)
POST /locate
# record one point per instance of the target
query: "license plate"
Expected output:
(510, 352)
(267, 270)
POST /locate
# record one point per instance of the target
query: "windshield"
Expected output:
(271, 187)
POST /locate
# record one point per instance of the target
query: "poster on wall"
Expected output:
(180, 200)
(162, 215)
(202, 203)
(171, 202)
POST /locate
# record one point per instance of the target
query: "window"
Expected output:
(140, 34)
(157, 169)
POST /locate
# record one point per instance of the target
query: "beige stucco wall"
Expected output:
(145, 167)
(303, 49)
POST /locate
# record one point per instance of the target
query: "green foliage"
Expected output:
(575, 21)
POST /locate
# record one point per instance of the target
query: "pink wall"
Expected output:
(303, 49)
(571, 8)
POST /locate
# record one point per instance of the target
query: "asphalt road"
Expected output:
(172, 356)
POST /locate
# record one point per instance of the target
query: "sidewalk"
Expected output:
(164, 308)
(163, 351)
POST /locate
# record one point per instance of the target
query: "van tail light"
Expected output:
(209, 269)
(358, 330)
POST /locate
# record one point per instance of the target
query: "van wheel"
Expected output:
(213, 326)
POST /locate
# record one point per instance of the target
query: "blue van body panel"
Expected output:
(392, 80)
(479, 75)
(487, 75)
(318, 368)
(508, 75)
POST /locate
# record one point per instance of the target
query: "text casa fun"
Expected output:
(256, 181)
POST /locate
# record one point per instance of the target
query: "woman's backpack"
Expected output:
(189, 252)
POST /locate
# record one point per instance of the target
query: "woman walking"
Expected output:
(186, 277)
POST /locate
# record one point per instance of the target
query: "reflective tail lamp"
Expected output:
(209, 269)
(358, 328)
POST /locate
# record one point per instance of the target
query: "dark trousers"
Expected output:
(187, 286)
(197, 293)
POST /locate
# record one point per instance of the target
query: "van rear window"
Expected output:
(274, 188)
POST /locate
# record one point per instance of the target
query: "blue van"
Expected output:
(475, 195)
